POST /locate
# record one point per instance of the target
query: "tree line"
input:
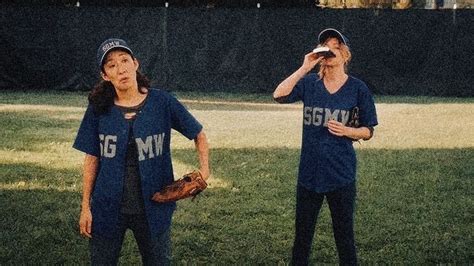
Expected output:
(396, 4)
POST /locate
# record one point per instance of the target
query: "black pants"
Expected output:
(341, 204)
(155, 250)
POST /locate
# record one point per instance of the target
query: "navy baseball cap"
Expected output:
(332, 33)
(109, 45)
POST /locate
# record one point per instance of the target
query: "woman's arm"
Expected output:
(202, 149)
(339, 129)
(91, 165)
(287, 85)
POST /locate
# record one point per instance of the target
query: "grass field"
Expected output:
(415, 201)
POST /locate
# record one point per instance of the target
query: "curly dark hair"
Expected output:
(103, 93)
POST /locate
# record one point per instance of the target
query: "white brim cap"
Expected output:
(330, 32)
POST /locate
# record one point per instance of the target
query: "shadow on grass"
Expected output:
(40, 227)
(25, 175)
(32, 132)
(414, 206)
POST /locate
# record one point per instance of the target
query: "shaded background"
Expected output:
(397, 52)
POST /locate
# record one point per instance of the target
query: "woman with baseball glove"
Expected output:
(125, 134)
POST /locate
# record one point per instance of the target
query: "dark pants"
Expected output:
(154, 250)
(341, 204)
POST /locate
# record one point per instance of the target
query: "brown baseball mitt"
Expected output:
(190, 185)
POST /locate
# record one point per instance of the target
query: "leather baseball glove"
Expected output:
(190, 185)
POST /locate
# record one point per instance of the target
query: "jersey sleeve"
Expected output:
(368, 114)
(87, 139)
(182, 120)
(297, 94)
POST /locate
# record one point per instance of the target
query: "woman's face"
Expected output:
(335, 46)
(120, 69)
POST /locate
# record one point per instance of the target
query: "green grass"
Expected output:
(415, 205)
(41, 97)
(68, 98)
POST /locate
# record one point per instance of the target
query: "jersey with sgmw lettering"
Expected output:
(328, 162)
(106, 136)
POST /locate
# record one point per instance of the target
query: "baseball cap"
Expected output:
(108, 45)
(332, 33)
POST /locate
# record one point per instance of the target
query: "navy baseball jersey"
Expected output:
(328, 162)
(106, 136)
